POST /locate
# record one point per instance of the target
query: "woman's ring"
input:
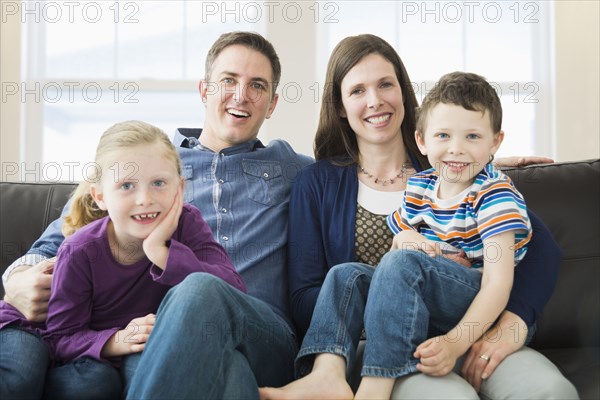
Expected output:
(484, 357)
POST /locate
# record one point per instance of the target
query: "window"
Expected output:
(89, 64)
(93, 63)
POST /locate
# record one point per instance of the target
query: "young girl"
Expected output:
(132, 239)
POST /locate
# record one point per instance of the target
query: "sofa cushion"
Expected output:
(581, 367)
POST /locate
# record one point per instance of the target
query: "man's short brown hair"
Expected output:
(251, 40)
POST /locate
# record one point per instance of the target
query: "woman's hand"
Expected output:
(155, 245)
(132, 339)
(522, 161)
(412, 240)
(505, 338)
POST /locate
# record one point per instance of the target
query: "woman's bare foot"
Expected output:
(375, 388)
(327, 381)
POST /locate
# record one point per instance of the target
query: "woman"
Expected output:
(365, 151)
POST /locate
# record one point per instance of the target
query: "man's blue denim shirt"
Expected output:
(243, 194)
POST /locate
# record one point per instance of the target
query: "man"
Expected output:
(224, 344)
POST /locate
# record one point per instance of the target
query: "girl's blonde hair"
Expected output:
(123, 135)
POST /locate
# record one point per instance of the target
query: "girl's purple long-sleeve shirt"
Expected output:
(93, 295)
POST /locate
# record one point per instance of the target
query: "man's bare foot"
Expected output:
(311, 387)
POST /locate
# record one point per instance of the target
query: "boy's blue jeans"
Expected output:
(24, 373)
(408, 298)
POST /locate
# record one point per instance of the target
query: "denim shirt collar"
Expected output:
(188, 138)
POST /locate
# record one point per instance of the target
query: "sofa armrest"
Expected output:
(26, 209)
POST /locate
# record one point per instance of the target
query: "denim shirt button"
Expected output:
(221, 181)
(265, 175)
(225, 238)
(223, 210)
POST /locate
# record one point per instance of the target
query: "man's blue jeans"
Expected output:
(212, 341)
(409, 297)
(24, 361)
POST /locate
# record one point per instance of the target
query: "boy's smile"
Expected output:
(458, 143)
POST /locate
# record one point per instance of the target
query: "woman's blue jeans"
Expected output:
(408, 298)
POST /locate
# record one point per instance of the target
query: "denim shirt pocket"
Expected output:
(264, 181)
(188, 185)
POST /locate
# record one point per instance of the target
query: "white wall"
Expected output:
(577, 80)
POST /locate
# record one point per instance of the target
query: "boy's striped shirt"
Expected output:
(491, 205)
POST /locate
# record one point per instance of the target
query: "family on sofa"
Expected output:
(230, 309)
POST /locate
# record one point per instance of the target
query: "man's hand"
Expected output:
(505, 338)
(28, 289)
(522, 161)
(132, 339)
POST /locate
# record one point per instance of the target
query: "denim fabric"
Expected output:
(24, 360)
(84, 378)
(337, 322)
(212, 341)
(409, 297)
(413, 297)
(129, 364)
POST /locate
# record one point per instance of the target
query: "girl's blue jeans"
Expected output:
(24, 373)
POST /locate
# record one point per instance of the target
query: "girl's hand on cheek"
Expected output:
(155, 245)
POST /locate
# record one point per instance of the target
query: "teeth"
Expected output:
(238, 113)
(456, 164)
(379, 120)
(141, 217)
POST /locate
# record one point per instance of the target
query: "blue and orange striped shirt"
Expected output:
(491, 205)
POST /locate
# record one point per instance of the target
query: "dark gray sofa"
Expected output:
(565, 195)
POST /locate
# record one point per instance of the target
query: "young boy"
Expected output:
(461, 205)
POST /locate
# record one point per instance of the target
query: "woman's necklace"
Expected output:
(391, 180)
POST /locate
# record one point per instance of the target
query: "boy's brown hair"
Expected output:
(470, 91)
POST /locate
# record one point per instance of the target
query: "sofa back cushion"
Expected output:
(566, 197)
